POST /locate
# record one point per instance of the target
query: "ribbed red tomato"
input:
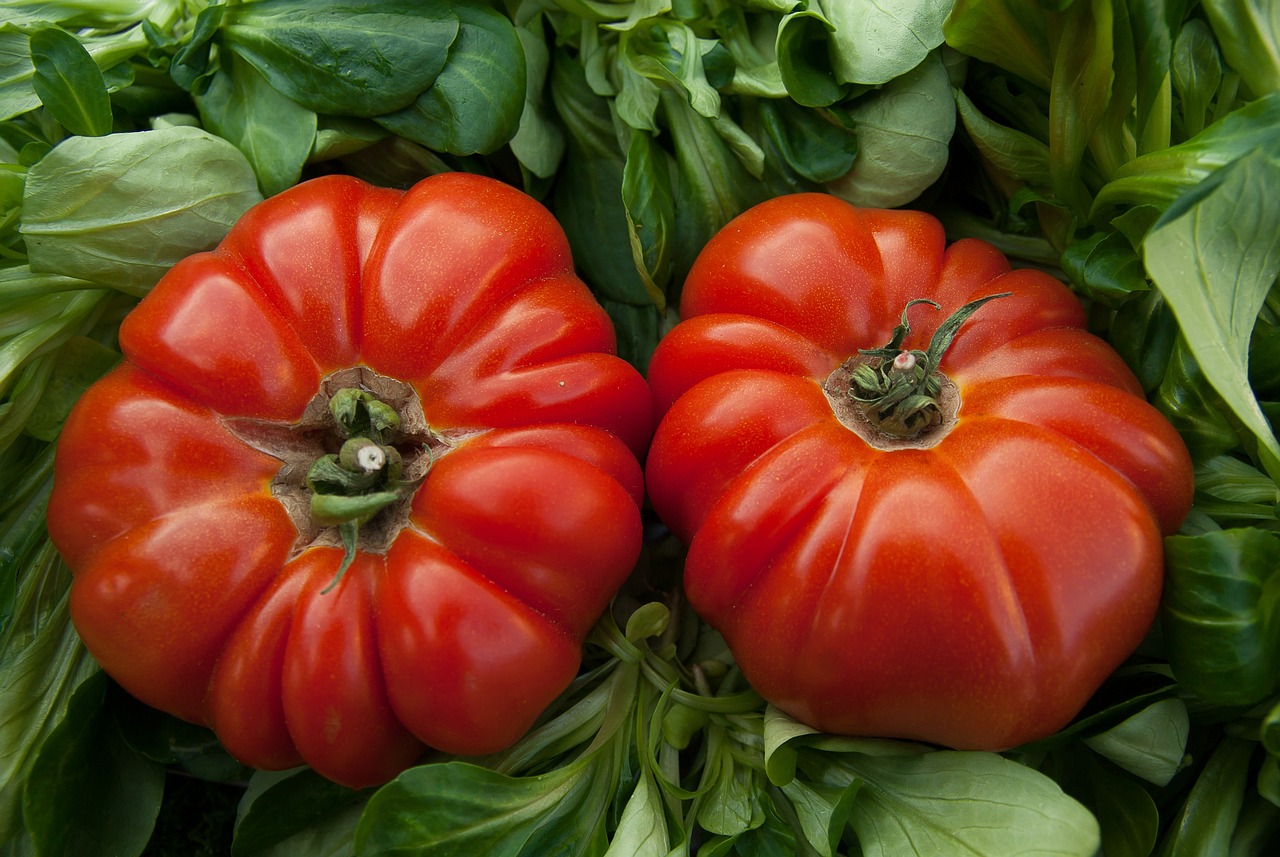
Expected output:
(366, 477)
(955, 546)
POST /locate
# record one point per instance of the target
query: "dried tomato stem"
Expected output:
(897, 389)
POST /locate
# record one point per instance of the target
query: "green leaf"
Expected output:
(1017, 155)
(42, 662)
(344, 57)
(474, 105)
(822, 811)
(904, 134)
(1010, 34)
(1249, 33)
(17, 72)
(949, 802)
(873, 43)
(804, 61)
(275, 133)
(79, 363)
(813, 145)
(1192, 405)
(1080, 93)
(1158, 178)
(1151, 744)
(1197, 73)
(1127, 816)
(1105, 267)
(670, 51)
(539, 141)
(1221, 614)
(650, 209)
(458, 808)
(69, 84)
(1214, 257)
(88, 793)
(282, 811)
(1208, 817)
(122, 209)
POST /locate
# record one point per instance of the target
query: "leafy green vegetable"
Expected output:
(122, 209)
(69, 83)
(1214, 256)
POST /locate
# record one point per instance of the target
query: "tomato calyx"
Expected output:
(895, 397)
(351, 464)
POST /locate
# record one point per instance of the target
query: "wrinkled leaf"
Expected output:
(1150, 744)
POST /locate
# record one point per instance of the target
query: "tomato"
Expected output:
(365, 479)
(966, 572)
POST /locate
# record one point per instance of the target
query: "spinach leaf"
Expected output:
(1208, 817)
(1197, 73)
(1009, 34)
(904, 133)
(296, 812)
(474, 104)
(88, 793)
(346, 57)
(275, 133)
(69, 83)
(1214, 256)
(1219, 614)
(1150, 744)
(122, 209)
(874, 43)
(17, 70)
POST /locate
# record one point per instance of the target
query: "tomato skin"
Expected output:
(203, 594)
(972, 593)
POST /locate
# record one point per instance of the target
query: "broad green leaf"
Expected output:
(823, 812)
(88, 793)
(1155, 25)
(1221, 612)
(1249, 34)
(949, 802)
(1127, 816)
(122, 209)
(454, 807)
(274, 132)
(1151, 744)
(281, 810)
(474, 104)
(642, 828)
(345, 57)
(814, 145)
(1214, 256)
(1010, 34)
(69, 83)
(904, 134)
(873, 43)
